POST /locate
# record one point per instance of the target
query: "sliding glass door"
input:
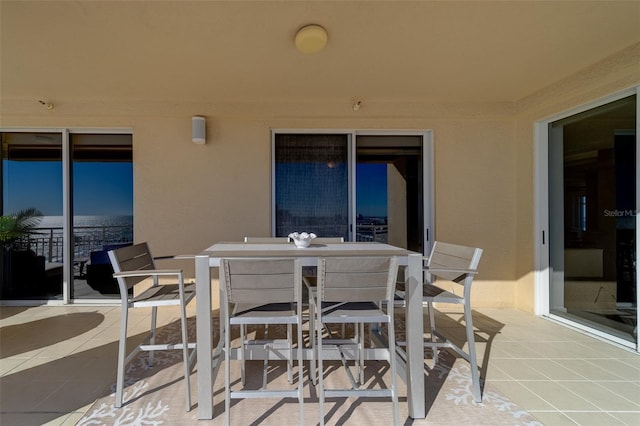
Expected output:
(32, 188)
(80, 184)
(363, 186)
(389, 190)
(593, 207)
(102, 182)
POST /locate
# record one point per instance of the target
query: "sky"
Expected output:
(371, 189)
(99, 188)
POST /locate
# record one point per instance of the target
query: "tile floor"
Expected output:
(55, 361)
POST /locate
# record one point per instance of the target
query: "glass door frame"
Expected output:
(427, 171)
(542, 272)
(67, 210)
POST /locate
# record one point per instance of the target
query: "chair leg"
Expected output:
(300, 373)
(152, 339)
(185, 355)
(392, 367)
(290, 360)
(312, 339)
(360, 353)
(122, 354)
(227, 371)
(475, 374)
(320, 370)
(432, 326)
(242, 353)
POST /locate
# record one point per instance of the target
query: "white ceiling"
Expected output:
(453, 51)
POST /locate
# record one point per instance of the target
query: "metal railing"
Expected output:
(372, 233)
(48, 242)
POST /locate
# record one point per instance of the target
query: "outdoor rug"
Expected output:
(156, 396)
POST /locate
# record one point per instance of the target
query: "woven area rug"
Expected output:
(156, 396)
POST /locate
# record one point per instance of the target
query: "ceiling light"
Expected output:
(311, 39)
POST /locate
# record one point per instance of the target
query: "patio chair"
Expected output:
(133, 265)
(310, 279)
(354, 290)
(243, 329)
(457, 265)
(262, 291)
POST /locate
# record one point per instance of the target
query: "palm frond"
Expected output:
(28, 219)
(19, 224)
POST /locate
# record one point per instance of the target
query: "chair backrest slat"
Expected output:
(261, 280)
(356, 279)
(132, 258)
(446, 255)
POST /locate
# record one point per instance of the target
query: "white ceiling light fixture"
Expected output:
(311, 39)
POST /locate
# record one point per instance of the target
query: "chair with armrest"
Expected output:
(456, 265)
(355, 290)
(255, 292)
(133, 265)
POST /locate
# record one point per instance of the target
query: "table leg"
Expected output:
(204, 337)
(415, 336)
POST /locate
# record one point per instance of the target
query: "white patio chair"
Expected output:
(132, 266)
(456, 265)
(310, 279)
(354, 290)
(262, 291)
(243, 329)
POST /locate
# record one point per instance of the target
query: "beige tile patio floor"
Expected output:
(563, 377)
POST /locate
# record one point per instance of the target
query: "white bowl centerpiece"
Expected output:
(303, 239)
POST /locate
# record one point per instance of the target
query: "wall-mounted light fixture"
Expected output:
(198, 130)
(311, 39)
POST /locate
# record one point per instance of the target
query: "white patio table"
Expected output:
(211, 258)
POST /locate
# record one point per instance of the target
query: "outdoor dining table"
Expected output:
(208, 360)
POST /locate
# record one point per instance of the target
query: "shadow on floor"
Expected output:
(38, 334)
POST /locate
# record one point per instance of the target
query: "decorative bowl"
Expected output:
(303, 239)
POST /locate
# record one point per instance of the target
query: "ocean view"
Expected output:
(91, 221)
(90, 233)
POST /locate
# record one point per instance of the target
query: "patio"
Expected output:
(57, 361)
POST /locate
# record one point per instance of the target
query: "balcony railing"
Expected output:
(372, 233)
(48, 242)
